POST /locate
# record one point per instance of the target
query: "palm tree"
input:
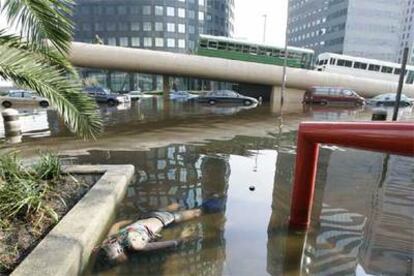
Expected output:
(37, 60)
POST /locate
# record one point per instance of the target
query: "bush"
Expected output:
(24, 191)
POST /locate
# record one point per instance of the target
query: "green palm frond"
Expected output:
(55, 58)
(36, 73)
(42, 19)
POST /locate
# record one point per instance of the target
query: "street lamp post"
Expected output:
(264, 27)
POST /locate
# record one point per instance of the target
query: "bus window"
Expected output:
(325, 62)
(231, 47)
(360, 65)
(386, 69)
(321, 62)
(332, 61)
(262, 51)
(341, 62)
(222, 46)
(397, 71)
(253, 51)
(373, 67)
(246, 49)
(348, 63)
(203, 43)
(212, 44)
(410, 77)
(238, 48)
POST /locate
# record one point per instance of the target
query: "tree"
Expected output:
(37, 60)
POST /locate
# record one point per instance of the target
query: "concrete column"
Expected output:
(292, 100)
(12, 126)
(166, 95)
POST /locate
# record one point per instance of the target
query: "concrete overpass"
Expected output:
(166, 63)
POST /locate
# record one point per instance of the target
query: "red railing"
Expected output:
(397, 138)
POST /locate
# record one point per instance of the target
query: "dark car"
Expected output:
(390, 100)
(225, 96)
(332, 95)
(103, 95)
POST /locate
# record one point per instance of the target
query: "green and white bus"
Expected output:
(223, 47)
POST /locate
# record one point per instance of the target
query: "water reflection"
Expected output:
(362, 223)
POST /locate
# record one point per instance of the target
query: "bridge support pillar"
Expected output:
(292, 100)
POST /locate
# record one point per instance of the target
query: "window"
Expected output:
(86, 27)
(397, 71)
(170, 42)
(200, 16)
(159, 42)
(191, 14)
(122, 9)
(111, 41)
(181, 43)
(360, 65)
(109, 10)
(332, 61)
(135, 9)
(171, 27)
(373, 67)
(123, 41)
(99, 27)
(146, 10)
(181, 28)
(135, 42)
(147, 26)
(111, 26)
(201, 3)
(147, 41)
(191, 29)
(158, 26)
(159, 10)
(123, 26)
(181, 13)
(343, 62)
(170, 11)
(386, 69)
(135, 26)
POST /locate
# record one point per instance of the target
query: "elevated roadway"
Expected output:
(167, 63)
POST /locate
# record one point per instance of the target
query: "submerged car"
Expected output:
(226, 96)
(181, 95)
(332, 95)
(103, 95)
(23, 97)
(389, 100)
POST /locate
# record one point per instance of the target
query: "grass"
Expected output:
(24, 191)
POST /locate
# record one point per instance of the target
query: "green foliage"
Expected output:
(33, 64)
(49, 167)
(24, 191)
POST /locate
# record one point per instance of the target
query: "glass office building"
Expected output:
(369, 28)
(164, 25)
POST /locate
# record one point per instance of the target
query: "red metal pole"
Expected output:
(304, 185)
(397, 138)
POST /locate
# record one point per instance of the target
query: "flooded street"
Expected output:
(362, 215)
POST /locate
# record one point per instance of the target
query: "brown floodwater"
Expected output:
(363, 213)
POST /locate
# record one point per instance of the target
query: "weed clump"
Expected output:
(25, 191)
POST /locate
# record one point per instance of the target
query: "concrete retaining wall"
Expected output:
(67, 248)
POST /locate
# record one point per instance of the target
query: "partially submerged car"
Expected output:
(225, 96)
(332, 95)
(181, 96)
(22, 97)
(103, 95)
(389, 99)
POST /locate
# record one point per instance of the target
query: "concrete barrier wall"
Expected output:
(158, 62)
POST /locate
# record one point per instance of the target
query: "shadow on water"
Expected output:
(362, 223)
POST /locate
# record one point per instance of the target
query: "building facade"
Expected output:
(164, 25)
(407, 32)
(369, 28)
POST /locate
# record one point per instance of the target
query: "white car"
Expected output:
(23, 97)
(389, 100)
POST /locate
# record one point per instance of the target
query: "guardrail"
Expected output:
(396, 138)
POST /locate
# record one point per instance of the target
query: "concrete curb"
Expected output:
(67, 248)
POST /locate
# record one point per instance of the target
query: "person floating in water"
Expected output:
(141, 235)
(127, 236)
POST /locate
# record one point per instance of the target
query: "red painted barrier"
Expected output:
(396, 138)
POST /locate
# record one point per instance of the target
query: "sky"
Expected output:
(249, 21)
